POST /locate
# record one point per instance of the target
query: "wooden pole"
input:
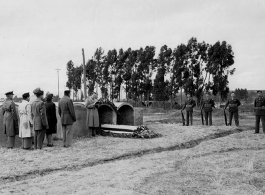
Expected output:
(58, 81)
(84, 74)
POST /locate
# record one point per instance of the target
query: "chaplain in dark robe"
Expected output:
(51, 117)
(92, 122)
(10, 120)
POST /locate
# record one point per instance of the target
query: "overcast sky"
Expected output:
(36, 37)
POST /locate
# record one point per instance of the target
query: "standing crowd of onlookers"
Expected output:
(37, 118)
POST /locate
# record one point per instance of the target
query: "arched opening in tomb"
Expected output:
(106, 114)
(125, 115)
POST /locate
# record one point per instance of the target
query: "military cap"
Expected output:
(37, 91)
(25, 95)
(9, 93)
(259, 91)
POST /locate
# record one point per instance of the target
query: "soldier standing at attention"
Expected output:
(67, 113)
(208, 106)
(10, 120)
(40, 122)
(189, 104)
(259, 107)
(233, 104)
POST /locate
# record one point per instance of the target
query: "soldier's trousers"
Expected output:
(67, 135)
(39, 138)
(189, 118)
(258, 117)
(208, 118)
(10, 141)
(235, 114)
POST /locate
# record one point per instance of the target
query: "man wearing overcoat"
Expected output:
(25, 124)
(189, 104)
(10, 120)
(233, 105)
(208, 106)
(259, 107)
(92, 122)
(40, 122)
(67, 112)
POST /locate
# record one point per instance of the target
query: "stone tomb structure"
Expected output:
(126, 115)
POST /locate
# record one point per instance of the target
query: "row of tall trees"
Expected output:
(194, 67)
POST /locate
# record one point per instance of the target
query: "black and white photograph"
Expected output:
(132, 97)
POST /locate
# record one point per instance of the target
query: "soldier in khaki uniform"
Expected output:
(10, 120)
(189, 104)
(233, 105)
(259, 107)
(208, 106)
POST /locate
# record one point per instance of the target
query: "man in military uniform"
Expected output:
(10, 120)
(67, 113)
(259, 107)
(40, 122)
(189, 104)
(208, 106)
(233, 104)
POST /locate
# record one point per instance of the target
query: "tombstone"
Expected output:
(79, 126)
(138, 116)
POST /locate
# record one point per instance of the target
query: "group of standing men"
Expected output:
(37, 118)
(232, 104)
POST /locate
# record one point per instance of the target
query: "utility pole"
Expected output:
(84, 74)
(58, 81)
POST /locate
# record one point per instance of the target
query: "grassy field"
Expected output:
(185, 160)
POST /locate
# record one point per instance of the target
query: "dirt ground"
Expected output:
(185, 160)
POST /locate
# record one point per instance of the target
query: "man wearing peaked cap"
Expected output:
(25, 126)
(10, 120)
(9, 93)
(25, 95)
(259, 108)
(40, 122)
(189, 104)
(67, 114)
(208, 105)
(233, 105)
